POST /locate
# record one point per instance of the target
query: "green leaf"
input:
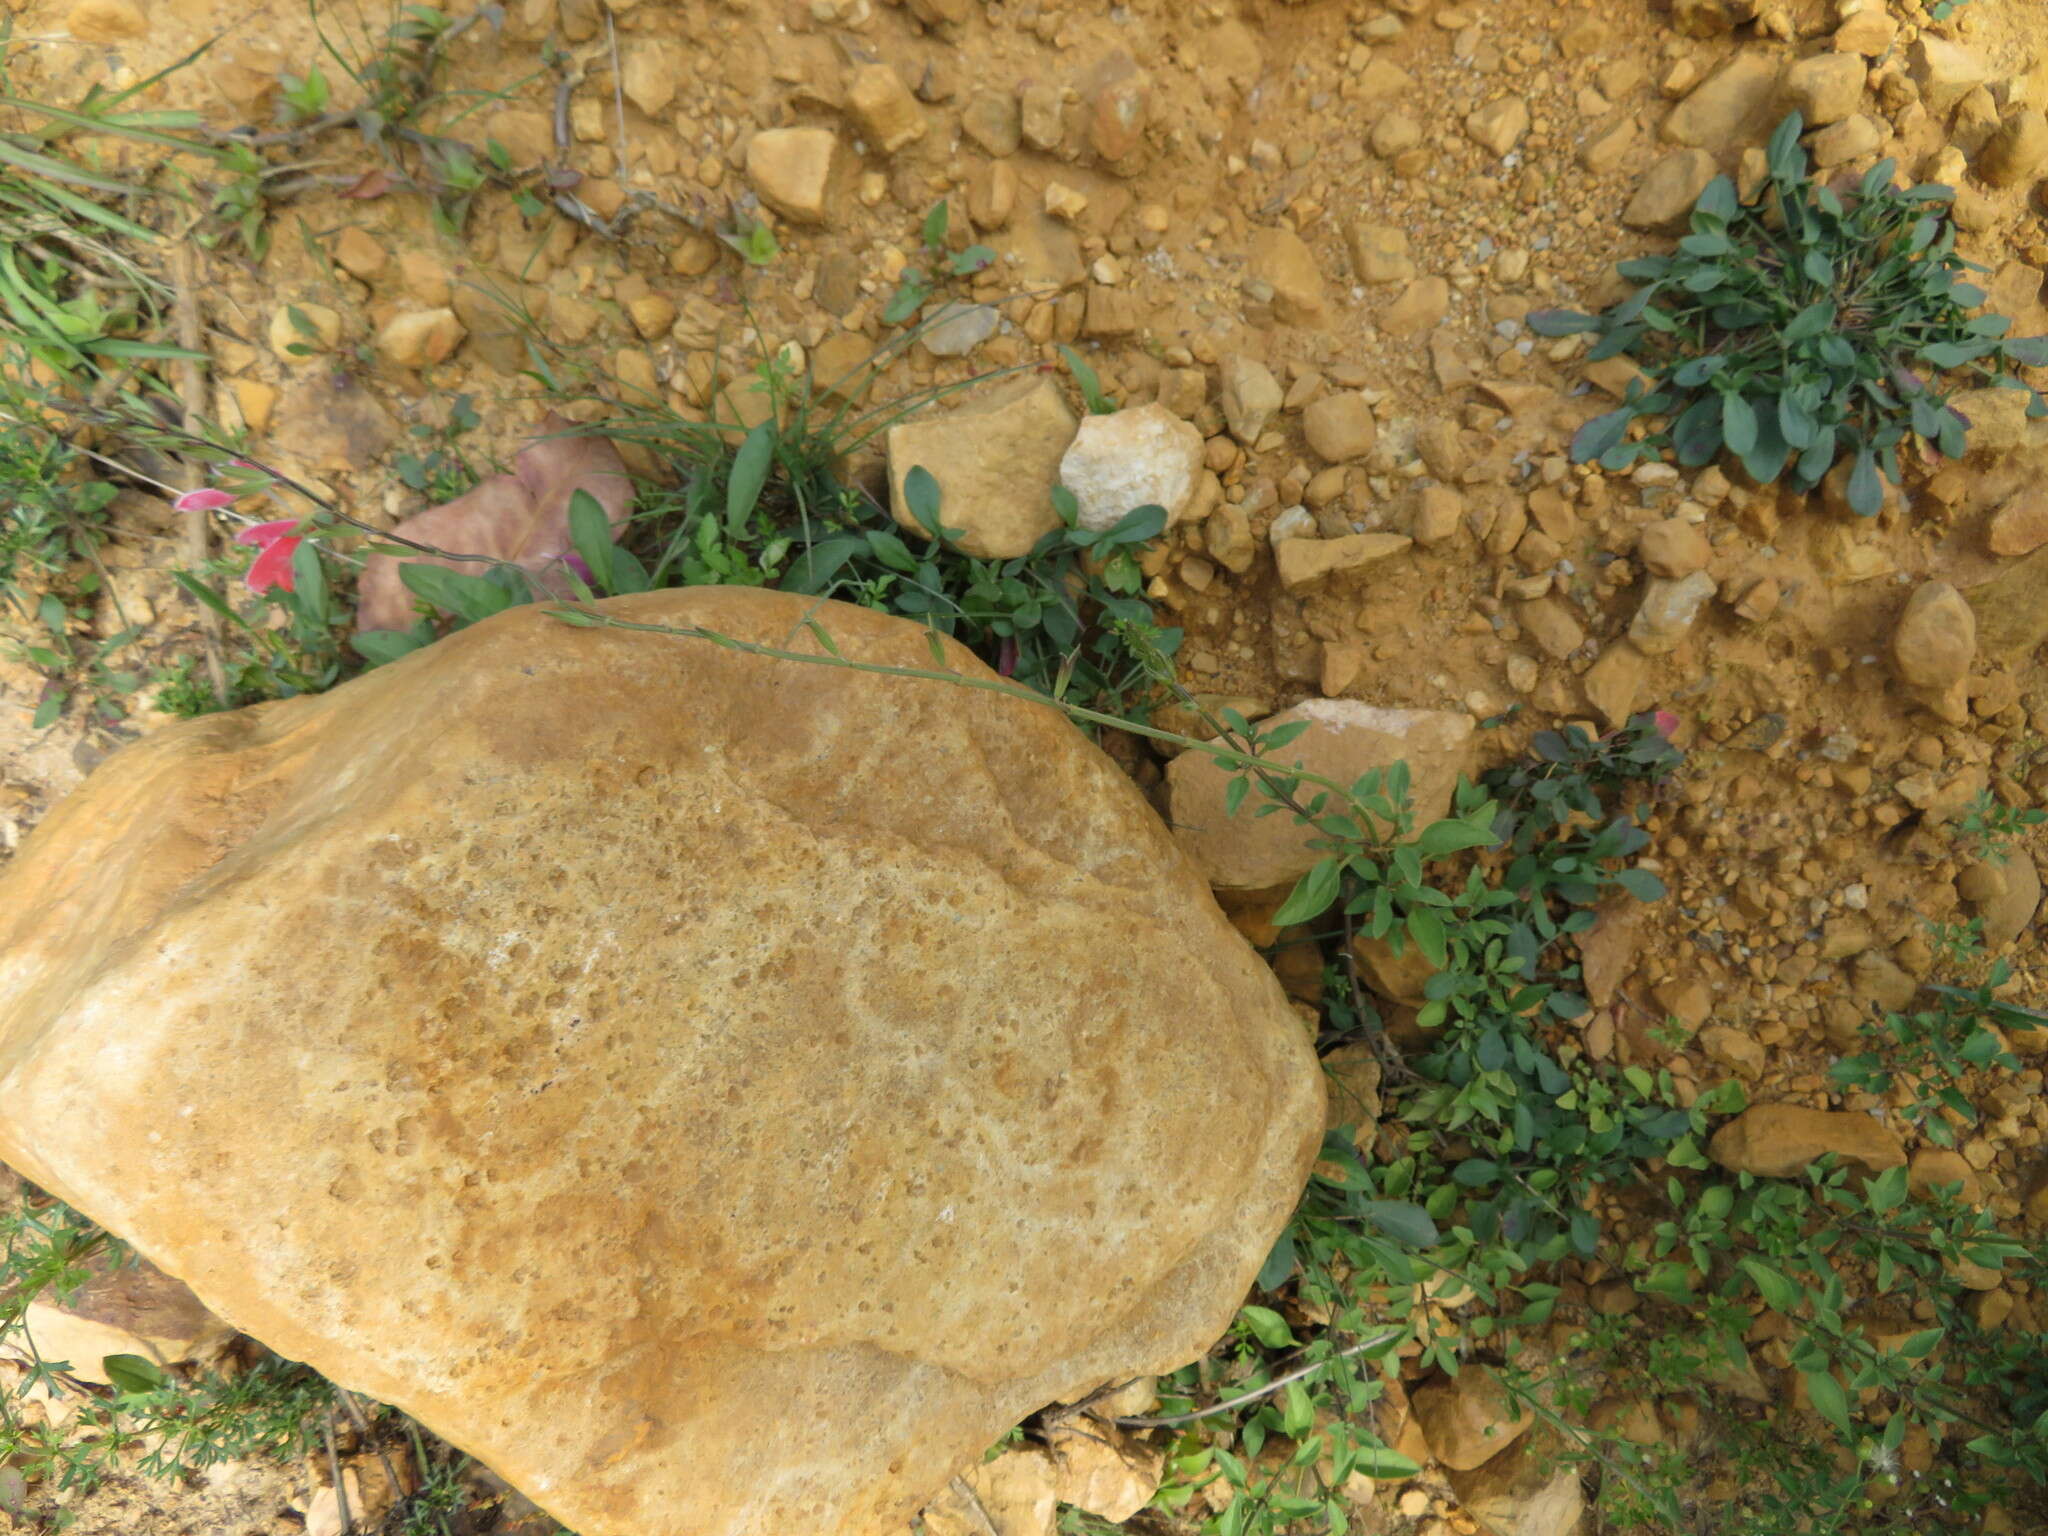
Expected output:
(1640, 883)
(1829, 1400)
(749, 473)
(921, 496)
(1279, 1264)
(936, 223)
(133, 1373)
(1378, 1461)
(906, 301)
(1560, 322)
(1810, 321)
(1312, 894)
(202, 593)
(1445, 837)
(1866, 491)
(1427, 929)
(1778, 1292)
(1600, 436)
(468, 598)
(590, 531)
(379, 646)
(309, 583)
(1401, 1220)
(1267, 1326)
(1921, 1344)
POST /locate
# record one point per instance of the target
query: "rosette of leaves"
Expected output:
(1800, 329)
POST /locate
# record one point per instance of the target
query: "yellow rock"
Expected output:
(722, 1094)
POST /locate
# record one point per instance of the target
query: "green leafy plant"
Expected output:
(1988, 825)
(752, 240)
(1087, 382)
(440, 473)
(1801, 329)
(917, 283)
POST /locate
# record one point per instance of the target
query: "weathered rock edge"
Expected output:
(358, 1013)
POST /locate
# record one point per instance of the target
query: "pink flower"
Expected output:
(1666, 723)
(273, 567)
(205, 499)
(576, 563)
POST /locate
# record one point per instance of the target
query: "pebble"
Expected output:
(1340, 427)
(956, 329)
(791, 170)
(420, 338)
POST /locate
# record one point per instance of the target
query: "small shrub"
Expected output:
(1804, 328)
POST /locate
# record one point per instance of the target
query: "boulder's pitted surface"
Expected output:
(721, 1093)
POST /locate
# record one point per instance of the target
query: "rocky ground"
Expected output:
(1313, 231)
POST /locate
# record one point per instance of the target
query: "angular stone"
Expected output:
(1379, 252)
(1945, 71)
(1340, 427)
(1532, 1490)
(1710, 18)
(1664, 200)
(1668, 611)
(1614, 683)
(990, 118)
(357, 253)
(106, 21)
(136, 1309)
(1250, 396)
(1498, 126)
(1421, 307)
(1825, 88)
(1869, 32)
(1118, 97)
(1722, 110)
(1467, 1420)
(2010, 912)
(1439, 513)
(887, 113)
(420, 338)
(1139, 457)
(1779, 1140)
(725, 1093)
(649, 73)
(1850, 139)
(1345, 739)
(1673, 547)
(792, 169)
(2017, 152)
(1282, 260)
(1550, 622)
(1304, 562)
(1934, 641)
(956, 329)
(996, 461)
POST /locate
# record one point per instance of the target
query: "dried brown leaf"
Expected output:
(521, 517)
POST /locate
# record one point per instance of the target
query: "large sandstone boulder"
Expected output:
(720, 1093)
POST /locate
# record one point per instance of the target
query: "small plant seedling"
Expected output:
(1799, 330)
(306, 96)
(1088, 382)
(917, 283)
(1988, 825)
(753, 240)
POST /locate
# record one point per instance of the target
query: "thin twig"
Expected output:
(611, 34)
(363, 1428)
(974, 1504)
(192, 540)
(1167, 1421)
(334, 1471)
